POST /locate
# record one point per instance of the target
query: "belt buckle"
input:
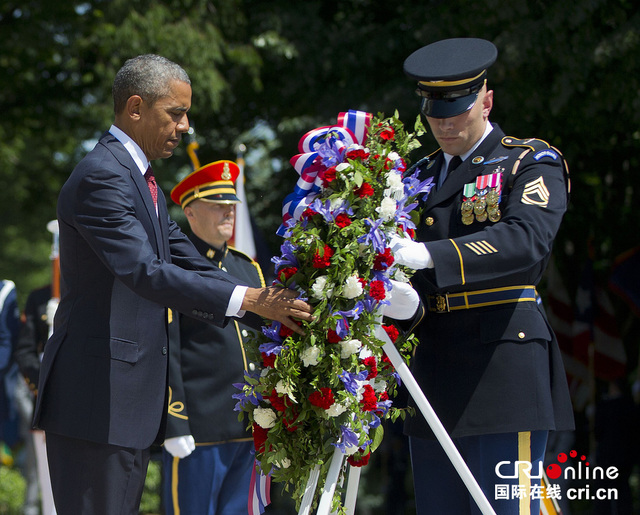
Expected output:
(442, 303)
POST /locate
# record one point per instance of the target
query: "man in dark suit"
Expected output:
(103, 380)
(208, 458)
(488, 360)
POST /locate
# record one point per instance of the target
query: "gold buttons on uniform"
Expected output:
(429, 221)
(521, 335)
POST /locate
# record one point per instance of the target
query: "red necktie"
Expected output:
(153, 187)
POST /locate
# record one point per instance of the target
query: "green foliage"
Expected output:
(152, 492)
(12, 491)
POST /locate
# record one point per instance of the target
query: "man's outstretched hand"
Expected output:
(280, 304)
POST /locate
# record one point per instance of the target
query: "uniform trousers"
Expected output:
(89, 478)
(439, 490)
(212, 480)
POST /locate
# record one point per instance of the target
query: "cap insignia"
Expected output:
(226, 174)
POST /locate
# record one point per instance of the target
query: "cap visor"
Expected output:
(447, 107)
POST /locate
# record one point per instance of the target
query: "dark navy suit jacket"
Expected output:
(104, 371)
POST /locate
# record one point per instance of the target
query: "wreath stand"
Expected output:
(324, 506)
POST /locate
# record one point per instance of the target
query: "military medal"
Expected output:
(466, 210)
(480, 199)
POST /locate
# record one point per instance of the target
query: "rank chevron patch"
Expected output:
(535, 193)
(481, 247)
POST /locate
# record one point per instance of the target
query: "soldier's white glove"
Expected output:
(404, 301)
(410, 253)
(180, 446)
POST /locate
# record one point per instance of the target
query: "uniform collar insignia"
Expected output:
(496, 160)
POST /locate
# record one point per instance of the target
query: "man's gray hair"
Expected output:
(148, 76)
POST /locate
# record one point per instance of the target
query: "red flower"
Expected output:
(259, 437)
(392, 332)
(376, 290)
(322, 260)
(289, 422)
(285, 331)
(286, 273)
(358, 153)
(384, 396)
(385, 359)
(366, 190)
(387, 134)
(369, 401)
(332, 336)
(370, 362)
(343, 220)
(308, 213)
(363, 460)
(329, 176)
(277, 401)
(382, 261)
(268, 360)
(322, 398)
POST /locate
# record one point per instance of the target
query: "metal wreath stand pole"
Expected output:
(434, 422)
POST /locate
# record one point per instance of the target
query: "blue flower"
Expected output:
(247, 395)
(350, 380)
(347, 438)
(270, 348)
(375, 237)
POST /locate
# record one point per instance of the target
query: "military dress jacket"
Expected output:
(205, 362)
(494, 367)
(104, 371)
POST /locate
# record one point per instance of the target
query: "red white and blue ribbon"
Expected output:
(351, 129)
(259, 492)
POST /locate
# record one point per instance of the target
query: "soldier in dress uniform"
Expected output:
(207, 456)
(488, 360)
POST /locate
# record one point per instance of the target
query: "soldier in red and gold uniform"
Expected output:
(207, 452)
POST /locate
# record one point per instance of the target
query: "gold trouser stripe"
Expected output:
(524, 457)
(461, 263)
(174, 485)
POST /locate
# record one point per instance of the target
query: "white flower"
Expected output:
(400, 276)
(349, 347)
(310, 356)
(284, 464)
(352, 287)
(394, 156)
(336, 203)
(387, 209)
(336, 409)
(395, 185)
(342, 166)
(365, 353)
(264, 417)
(350, 449)
(284, 389)
(378, 385)
(321, 289)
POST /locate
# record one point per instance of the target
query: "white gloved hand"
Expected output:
(403, 301)
(180, 446)
(410, 253)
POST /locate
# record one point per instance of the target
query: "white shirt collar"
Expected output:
(132, 147)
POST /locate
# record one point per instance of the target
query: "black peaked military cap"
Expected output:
(450, 74)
